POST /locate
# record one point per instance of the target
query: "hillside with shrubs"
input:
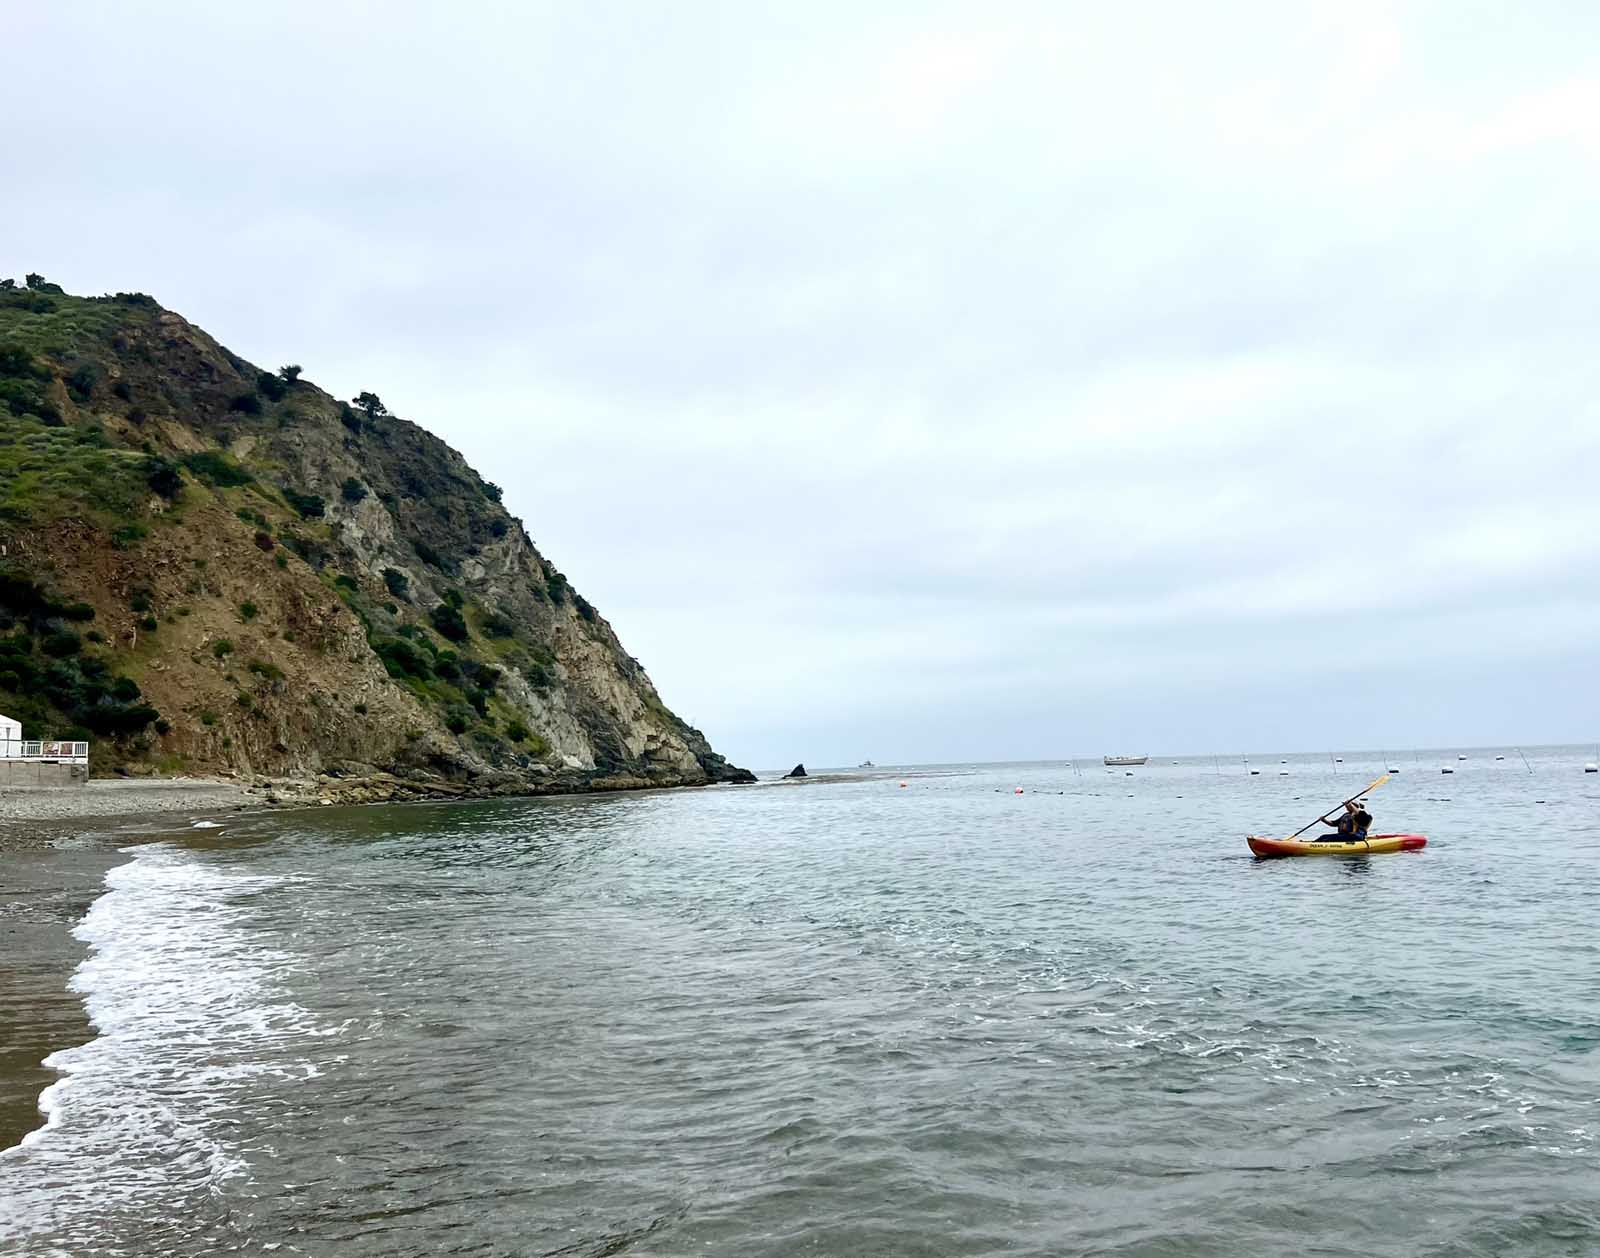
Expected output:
(210, 567)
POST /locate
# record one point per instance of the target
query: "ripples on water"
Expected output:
(844, 1019)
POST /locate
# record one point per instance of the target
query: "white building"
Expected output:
(47, 751)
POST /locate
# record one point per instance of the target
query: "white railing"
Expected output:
(58, 751)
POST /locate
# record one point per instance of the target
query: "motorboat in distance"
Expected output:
(1115, 762)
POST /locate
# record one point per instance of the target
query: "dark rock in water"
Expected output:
(799, 771)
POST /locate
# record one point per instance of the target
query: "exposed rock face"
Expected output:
(799, 771)
(296, 586)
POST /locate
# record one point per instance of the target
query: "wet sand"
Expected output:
(43, 893)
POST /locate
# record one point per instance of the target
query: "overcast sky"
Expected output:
(922, 382)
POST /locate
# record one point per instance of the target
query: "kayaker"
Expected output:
(1354, 824)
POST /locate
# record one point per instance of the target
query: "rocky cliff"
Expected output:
(205, 566)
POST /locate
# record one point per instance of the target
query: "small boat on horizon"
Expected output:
(1112, 762)
(866, 764)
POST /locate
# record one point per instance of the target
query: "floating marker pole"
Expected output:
(1521, 753)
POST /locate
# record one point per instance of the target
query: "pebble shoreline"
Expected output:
(33, 816)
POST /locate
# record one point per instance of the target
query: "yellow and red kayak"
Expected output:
(1353, 847)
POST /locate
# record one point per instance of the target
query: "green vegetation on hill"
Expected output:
(198, 511)
(48, 681)
(49, 472)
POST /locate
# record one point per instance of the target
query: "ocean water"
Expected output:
(860, 1017)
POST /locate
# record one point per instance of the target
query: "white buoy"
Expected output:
(1394, 768)
(1591, 768)
(1447, 769)
(1499, 757)
(1338, 760)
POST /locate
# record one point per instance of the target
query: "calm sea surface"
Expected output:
(855, 1018)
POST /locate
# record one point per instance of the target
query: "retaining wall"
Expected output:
(38, 773)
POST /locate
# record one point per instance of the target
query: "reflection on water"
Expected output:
(844, 1019)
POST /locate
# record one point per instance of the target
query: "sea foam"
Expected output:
(188, 1008)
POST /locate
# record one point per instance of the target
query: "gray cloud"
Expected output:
(927, 382)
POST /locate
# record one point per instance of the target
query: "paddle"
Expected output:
(1324, 817)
